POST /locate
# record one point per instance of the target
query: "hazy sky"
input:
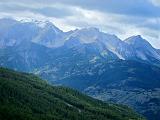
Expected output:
(121, 17)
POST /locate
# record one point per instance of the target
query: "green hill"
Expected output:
(26, 97)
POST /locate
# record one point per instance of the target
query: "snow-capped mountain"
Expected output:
(124, 50)
(87, 44)
(14, 32)
(49, 36)
(143, 49)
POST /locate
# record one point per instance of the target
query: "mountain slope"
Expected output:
(131, 83)
(24, 96)
(143, 49)
(119, 73)
(25, 57)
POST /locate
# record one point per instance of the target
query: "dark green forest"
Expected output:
(24, 96)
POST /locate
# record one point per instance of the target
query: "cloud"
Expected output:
(128, 7)
(48, 11)
(155, 2)
(53, 12)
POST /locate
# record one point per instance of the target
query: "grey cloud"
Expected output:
(46, 11)
(127, 7)
(54, 12)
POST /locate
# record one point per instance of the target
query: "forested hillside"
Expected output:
(26, 97)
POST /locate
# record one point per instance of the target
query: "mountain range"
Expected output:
(96, 63)
(14, 33)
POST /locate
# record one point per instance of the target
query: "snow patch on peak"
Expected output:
(135, 40)
(41, 23)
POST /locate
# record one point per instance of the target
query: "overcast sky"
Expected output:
(121, 17)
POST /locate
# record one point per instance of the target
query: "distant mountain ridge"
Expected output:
(48, 35)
